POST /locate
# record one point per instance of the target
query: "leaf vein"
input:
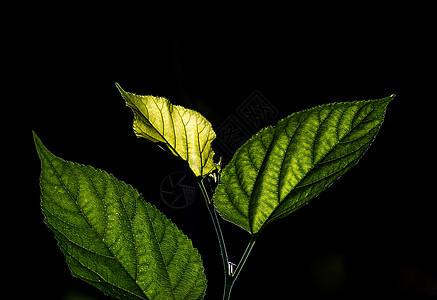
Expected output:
(161, 257)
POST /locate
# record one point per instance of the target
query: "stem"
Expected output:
(231, 278)
(218, 230)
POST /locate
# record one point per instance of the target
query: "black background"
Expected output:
(371, 234)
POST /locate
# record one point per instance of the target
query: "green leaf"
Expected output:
(281, 168)
(185, 132)
(112, 238)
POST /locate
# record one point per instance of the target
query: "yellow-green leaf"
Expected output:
(185, 132)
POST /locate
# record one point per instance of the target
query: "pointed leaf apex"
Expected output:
(40, 148)
(388, 99)
(118, 86)
(35, 136)
(120, 89)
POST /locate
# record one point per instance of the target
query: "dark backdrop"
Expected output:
(371, 234)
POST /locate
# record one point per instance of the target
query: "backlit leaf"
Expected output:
(281, 168)
(112, 238)
(185, 132)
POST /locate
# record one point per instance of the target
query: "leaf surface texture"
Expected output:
(112, 238)
(185, 132)
(281, 168)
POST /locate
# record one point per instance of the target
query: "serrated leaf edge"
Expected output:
(40, 149)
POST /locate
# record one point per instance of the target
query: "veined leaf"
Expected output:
(112, 238)
(281, 168)
(185, 132)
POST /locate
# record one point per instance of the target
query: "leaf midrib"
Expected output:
(161, 256)
(262, 170)
(86, 267)
(168, 144)
(315, 164)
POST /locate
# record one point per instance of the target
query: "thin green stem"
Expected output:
(218, 230)
(232, 277)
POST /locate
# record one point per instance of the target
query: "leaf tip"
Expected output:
(38, 144)
(34, 134)
(36, 139)
(42, 150)
(388, 99)
(118, 86)
(125, 95)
